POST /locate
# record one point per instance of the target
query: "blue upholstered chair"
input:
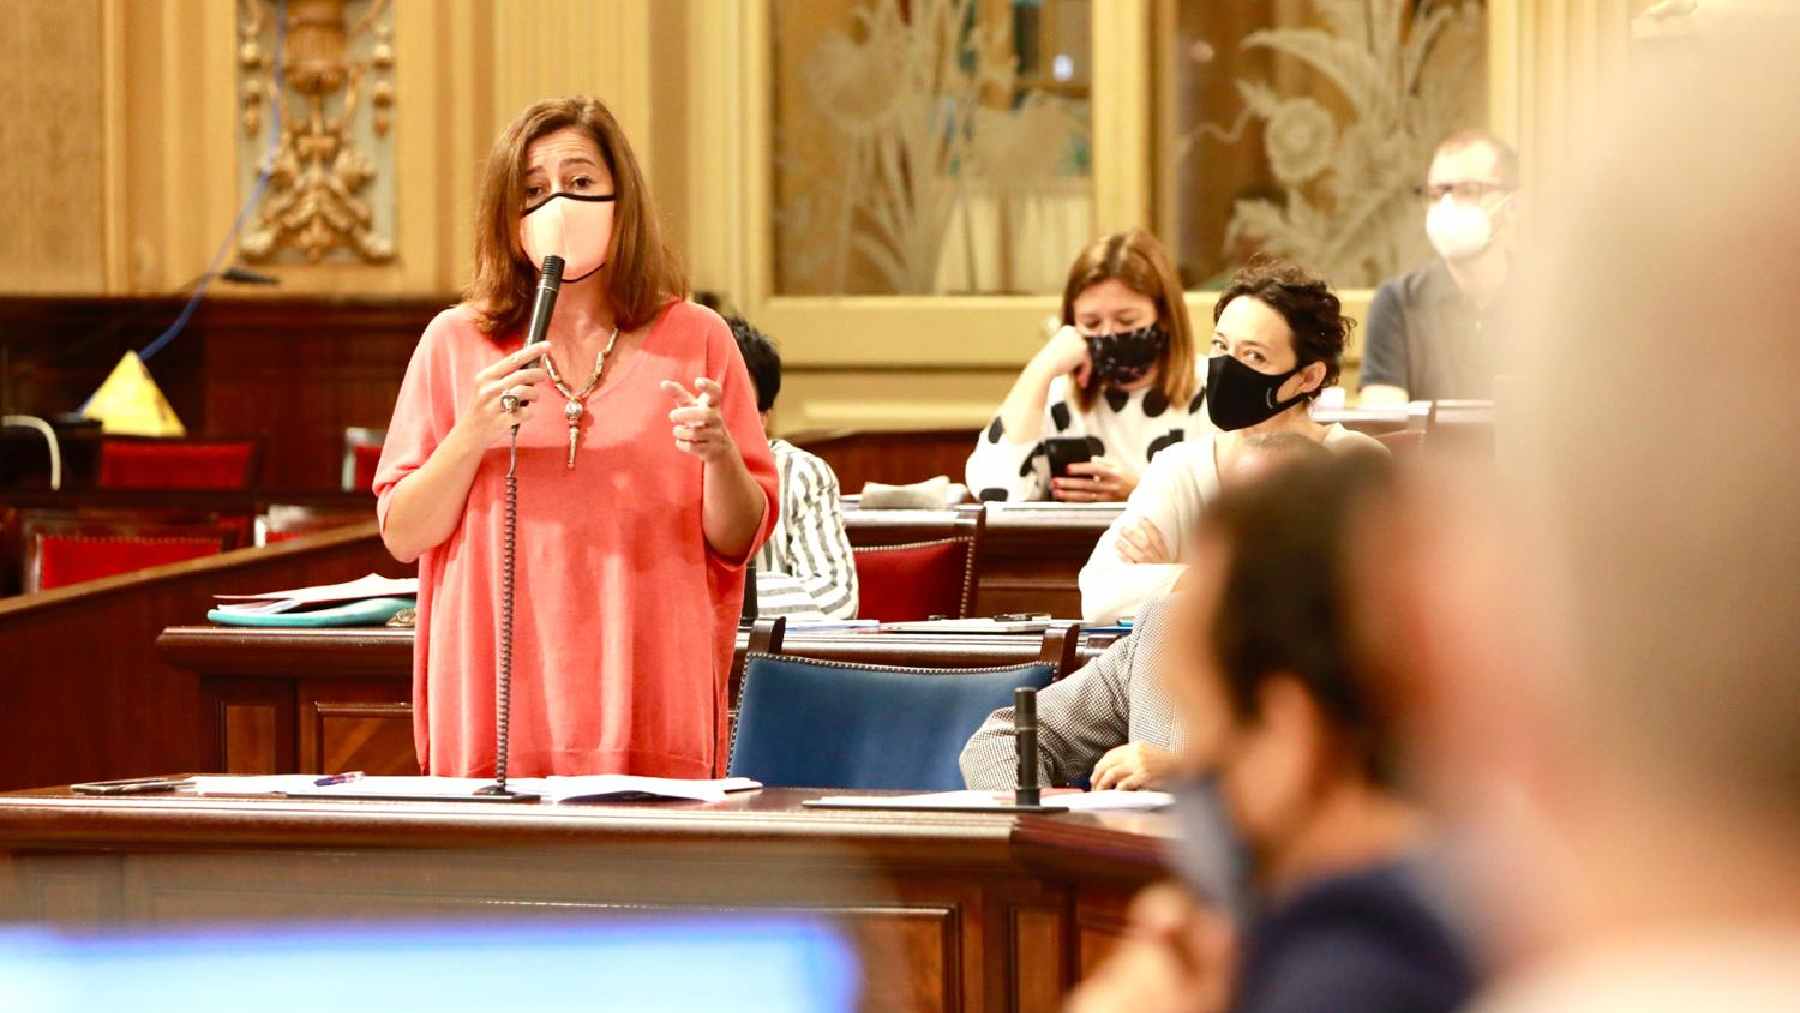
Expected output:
(830, 724)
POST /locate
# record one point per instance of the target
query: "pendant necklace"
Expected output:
(573, 408)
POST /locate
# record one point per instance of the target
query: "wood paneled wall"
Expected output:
(296, 370)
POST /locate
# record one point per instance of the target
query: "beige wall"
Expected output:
(120, 117)
(118, 120)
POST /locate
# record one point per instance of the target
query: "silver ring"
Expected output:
(509, 403)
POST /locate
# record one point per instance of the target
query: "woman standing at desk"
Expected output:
(631, 539)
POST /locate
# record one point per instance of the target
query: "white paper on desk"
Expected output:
(416, 787)
(828, 625)
(372, 586)
(270, 784)
(965, 799)
(1111, 800)
(967, 626)
(1032, 506)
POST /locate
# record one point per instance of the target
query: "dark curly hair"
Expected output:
(760, 358)
(1311, 309)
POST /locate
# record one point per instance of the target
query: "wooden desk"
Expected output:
(950, 911)
(1032, 555)
(315, 701)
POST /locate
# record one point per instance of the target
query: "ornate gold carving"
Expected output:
(320, 174)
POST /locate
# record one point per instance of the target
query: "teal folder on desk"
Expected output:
(366, 612)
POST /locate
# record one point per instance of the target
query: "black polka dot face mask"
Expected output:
(1126, 357)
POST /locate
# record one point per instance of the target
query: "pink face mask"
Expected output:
(576, 227)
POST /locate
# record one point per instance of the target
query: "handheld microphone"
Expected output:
(549, 284)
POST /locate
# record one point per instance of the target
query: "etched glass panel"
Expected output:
(1301, 127)
(930, 146)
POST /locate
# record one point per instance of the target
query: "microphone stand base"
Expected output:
(498, 792)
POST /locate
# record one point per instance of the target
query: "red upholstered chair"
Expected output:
(128, 462)
(64, 549)
(281, 521)
(362, 451)
(917, 580)
(915, 564)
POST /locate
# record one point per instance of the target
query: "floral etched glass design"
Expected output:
(1301, 127)
(929, 146)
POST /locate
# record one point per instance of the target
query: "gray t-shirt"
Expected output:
(1426, 336)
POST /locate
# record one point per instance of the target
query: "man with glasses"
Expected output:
(1431, 331)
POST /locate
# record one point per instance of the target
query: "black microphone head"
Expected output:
(552, 273)
(245, 276)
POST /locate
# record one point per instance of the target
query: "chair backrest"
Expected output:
(898, 583)
(63, 549)
(282, 521)
(828, 724)
(362, 451)
(154, 463)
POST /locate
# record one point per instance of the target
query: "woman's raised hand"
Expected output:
(1065, 352)
(482, 410)
(699, 429)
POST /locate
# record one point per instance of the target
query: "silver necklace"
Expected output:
(573, 408)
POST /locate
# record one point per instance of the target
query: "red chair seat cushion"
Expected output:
(902, 583)
(366, 456)
(71, 559)
(177, 464)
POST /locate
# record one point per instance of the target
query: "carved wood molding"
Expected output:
(323, 172)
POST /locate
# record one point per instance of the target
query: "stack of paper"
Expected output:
(273, 602)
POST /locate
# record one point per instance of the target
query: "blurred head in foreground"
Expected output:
(1296, 824)
(1300, 754)
(1606, 635)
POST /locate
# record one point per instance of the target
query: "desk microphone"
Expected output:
(1025, 741)
(549, 285)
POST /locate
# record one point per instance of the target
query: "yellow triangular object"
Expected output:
(130, 403)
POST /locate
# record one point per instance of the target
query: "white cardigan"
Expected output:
(1171, 494)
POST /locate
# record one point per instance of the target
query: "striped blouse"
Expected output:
(805, 569)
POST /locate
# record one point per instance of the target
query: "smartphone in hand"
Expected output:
(1066, 450)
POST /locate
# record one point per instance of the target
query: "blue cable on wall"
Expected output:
(256, 193)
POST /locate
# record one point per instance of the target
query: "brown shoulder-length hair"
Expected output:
(1138, 261)
(642, 273)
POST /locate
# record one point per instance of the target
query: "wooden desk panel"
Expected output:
(1031, 557)
(949, 911)
(88, 697)
(317, 701)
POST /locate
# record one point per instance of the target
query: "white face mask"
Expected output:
(1458, 230)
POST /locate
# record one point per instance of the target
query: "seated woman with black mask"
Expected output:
(1278, 339)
